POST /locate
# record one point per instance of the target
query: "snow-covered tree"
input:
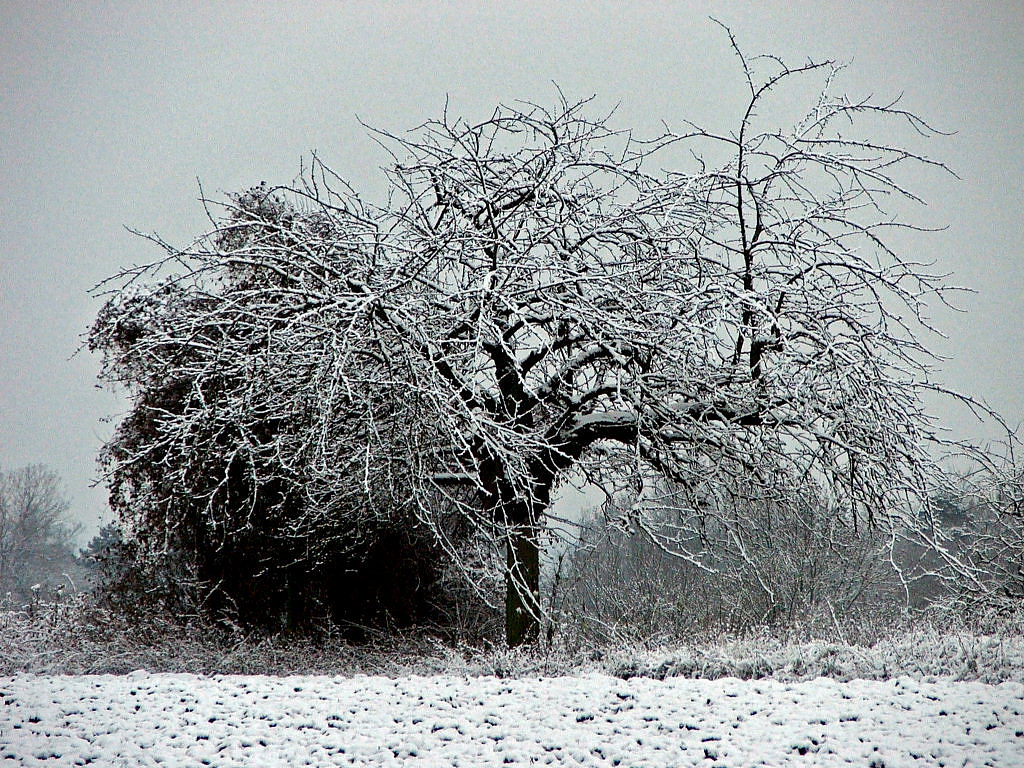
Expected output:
(539, 299)
(236, 468)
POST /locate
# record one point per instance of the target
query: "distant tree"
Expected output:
(533, 303)
(984, 515)
(103, 548)
(36, 536)
(998, 534)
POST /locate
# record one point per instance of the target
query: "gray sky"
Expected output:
(110, 111)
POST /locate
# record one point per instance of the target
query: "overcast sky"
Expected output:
(109, 112)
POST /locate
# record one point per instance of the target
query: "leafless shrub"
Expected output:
(768, 565)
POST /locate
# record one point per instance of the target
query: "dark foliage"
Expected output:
(211, 480)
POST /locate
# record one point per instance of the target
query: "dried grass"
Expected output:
(75, 636)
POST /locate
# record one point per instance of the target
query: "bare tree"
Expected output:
(534, 300)
(36, 537)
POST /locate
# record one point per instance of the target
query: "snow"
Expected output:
(596, 720)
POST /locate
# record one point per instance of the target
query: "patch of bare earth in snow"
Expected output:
(186, 720)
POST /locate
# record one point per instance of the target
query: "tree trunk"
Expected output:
(522, 586)
(523, 510)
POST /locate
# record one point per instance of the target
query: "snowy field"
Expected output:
(188, 720)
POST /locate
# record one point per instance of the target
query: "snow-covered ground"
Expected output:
(187, 720)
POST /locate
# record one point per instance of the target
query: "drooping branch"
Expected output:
(533, 302)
